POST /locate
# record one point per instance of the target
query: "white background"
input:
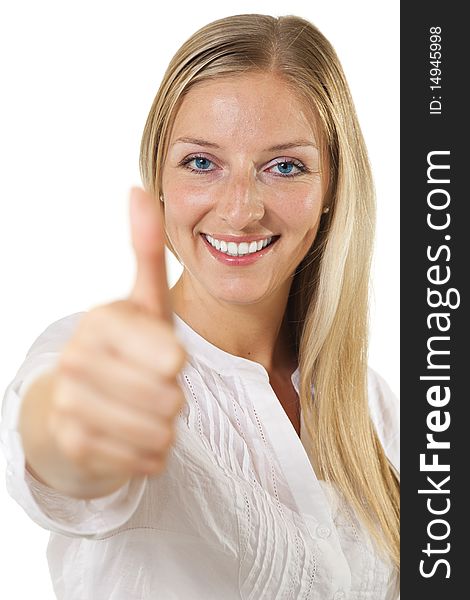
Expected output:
(78, 79)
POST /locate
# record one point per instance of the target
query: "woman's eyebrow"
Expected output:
(285, 146)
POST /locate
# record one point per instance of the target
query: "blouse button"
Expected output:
(323, 532)
(339, 595)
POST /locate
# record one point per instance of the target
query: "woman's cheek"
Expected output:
(184, 212)
(297, 209)
(188, 195)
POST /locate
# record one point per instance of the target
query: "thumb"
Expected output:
(150, 289)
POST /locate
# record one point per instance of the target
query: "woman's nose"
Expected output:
(240, 204)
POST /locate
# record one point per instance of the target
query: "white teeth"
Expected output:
(234, 249)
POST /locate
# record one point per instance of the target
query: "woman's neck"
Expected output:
(257, 331)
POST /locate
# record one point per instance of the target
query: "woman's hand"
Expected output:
(114, 393)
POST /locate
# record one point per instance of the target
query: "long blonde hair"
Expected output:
(328, 302)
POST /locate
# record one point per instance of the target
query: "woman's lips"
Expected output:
(238, 239)
(244, 259)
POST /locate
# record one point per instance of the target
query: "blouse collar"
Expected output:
(219, 360)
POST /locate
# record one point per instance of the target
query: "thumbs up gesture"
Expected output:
(115, 394)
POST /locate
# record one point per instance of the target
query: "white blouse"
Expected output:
(237, 514)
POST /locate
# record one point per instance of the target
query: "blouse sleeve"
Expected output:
(385, 412)
(50, 509)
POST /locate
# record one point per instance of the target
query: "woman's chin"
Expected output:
(238, 297)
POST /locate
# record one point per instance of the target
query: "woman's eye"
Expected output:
(288, 168)
(197, 164)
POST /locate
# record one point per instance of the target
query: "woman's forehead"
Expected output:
(257, 108)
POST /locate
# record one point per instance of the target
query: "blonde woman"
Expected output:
(224, 438)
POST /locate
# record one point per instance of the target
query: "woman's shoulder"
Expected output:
(54, 335)
(43, 351)
(384, 408)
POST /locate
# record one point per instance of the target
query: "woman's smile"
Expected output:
(238, 254)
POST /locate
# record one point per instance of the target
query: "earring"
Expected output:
(161, 198)
(327, 209)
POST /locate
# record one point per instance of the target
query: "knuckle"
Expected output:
(159, 464)
(180, 356)
(98, 318)
(72, 361)
(98, 314)
(64, 400)
(92, 320)
(171, 401)
(171, 354)
(151, 465)
(165, 438)
(87, 336)
(74, 443)
(135, 432)
(170, 436)
(175, 358)
(64, 403)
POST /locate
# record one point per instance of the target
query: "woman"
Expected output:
(224, 438)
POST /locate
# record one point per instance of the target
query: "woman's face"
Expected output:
(242, 166)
